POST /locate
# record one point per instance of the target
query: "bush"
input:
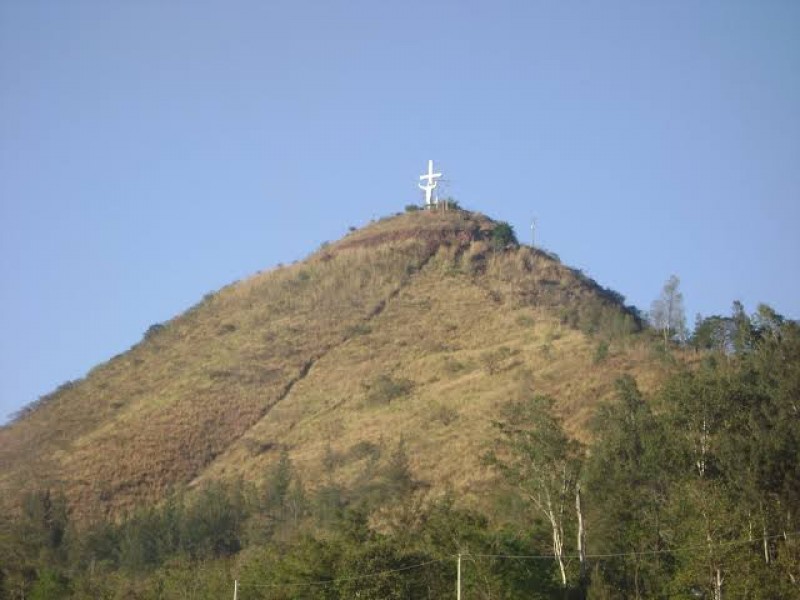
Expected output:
(384, 389)
(525, 321)
(503, 235)
(358, 329)
(364, 449)
(444, 414)
(411, 208)
(451, 203)
(494, 360)
(153, 330)
(601, 353)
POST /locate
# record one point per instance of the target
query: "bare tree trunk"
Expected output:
(558, 550)
(701, 461)
(716, 570)
(581, 533)
(764, 536)
(558, 541)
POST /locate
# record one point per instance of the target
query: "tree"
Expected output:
(628, 483)
(737, 422)
(212, 526)
(49, 585)
(278, 483)
(537, 457)
(667, 313)
(503, 235)
(713, 333)
(393, 572)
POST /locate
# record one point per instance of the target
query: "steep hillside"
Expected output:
(417, 327)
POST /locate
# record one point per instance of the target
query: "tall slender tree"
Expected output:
(667, 313)
(534, 454)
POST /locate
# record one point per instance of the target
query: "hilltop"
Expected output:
(418, 327)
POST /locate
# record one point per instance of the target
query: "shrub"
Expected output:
(153, 330)
(503, 235)
(525, 321)
(444, 414)
(226, 328)
(493, 360)
(384, 389)
(358, 329)
(601, 353)
(364, 449)
(451, 365)
(411, 208)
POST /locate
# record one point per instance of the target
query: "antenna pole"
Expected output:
(235, 589)
(533, 248)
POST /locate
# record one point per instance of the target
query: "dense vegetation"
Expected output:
(689, 491)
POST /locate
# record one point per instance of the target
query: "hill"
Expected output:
(418, 328)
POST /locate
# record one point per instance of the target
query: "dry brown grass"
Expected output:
(287, 359)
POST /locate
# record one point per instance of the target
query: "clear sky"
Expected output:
(151, 151)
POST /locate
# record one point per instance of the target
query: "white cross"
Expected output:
(430, 185)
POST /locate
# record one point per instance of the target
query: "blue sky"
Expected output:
(151, 152)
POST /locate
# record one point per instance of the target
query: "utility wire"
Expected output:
(513, 557)
(340, 579)
(636, 553)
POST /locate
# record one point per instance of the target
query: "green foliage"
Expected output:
(358, 329)
(713, 333)
(383, 389)
(451, 203)
(446, 415)
(503, 235)
(697, 479)
(713, 467)
(494, 360)
(50, 584)
(410, 208)
(628, 476)
(534, 454)
(525, 321)
(364, 450)
(386, 482)
(154, 330)
(601, 353)
(393, 573)
(278, 482)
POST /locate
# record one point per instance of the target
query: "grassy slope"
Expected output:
(292, 358)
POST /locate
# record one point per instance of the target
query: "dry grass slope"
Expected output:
(412, 327)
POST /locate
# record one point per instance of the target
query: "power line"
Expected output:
(637, 553)
(341, 579)
(327, 582)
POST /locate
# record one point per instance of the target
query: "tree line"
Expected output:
(690, 491)
(693, 492)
